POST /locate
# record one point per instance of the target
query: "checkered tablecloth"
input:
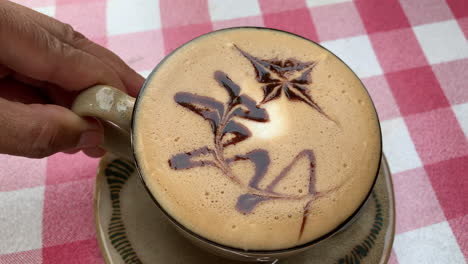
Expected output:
(412, 56)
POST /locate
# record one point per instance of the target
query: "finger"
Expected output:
(60, 96)
(54, 93)
(4, 71)
(29, 81)
(94, 152)
(38, 131)
(131, 79)
(48, 58)
(15, 91)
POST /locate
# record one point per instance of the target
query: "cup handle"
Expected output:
(114, 109)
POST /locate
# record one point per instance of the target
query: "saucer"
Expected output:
(132, 229)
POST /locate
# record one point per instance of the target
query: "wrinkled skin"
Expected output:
(44, 63)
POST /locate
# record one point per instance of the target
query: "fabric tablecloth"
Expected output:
(412, 55)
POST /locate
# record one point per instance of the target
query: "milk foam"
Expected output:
(345, 143)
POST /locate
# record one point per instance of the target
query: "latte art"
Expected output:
(254, 143)
(289, 77)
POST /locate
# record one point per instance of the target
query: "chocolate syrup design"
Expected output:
(290, 76)
(277, 76)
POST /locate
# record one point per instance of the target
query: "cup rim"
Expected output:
(300, 247)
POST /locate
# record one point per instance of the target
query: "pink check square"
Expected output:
(426, 11)
(61, 2)
(459, 7)
(450, 184)
(252, 21)
(452, 78)
(398, 50)
(79, 252)
(141, 50)
(174, 37)
(35, 3)
(62, 168)
(437, 136)
(463, 23)
(337, 21)
(23, 257)
(287, 20)
(278, 6)
(382, 15)
(460, 230)
(68, 212)
(382, 96)
(416, 90)
(19, 173)
(176, 13)
(86, 17)
(419, 206)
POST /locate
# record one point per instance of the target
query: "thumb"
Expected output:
(37, 130)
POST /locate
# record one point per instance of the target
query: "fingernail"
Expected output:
(71, 151)
(92, 136)
(95, 152)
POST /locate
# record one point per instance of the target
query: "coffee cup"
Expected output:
(256, 143)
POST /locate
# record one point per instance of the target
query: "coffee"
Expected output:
(257, 139)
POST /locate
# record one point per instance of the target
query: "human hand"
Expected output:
(44, 64)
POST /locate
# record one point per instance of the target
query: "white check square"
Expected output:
(431, 244)
(442, 41)
(461, 112)
(398, 146)
(125, 16)
(21, 219)
(313, 3)
(46, 10)
(145, 74)
(358, 53)
(231, 9)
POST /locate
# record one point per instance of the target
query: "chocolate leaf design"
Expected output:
(183, 161)
(305, 216)
(232, 88)
(239, 132)
(206, 107)
(307, 153)
(261, 160)
(247, 202)
(249, 109)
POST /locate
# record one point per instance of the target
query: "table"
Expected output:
(411, 55)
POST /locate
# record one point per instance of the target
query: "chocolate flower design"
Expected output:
(289, 76)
